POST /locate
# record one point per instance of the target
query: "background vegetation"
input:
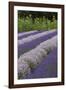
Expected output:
(34, 20)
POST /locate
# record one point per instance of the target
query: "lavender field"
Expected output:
(37, 54)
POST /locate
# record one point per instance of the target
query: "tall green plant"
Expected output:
(26, 24)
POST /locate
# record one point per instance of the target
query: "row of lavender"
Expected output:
(32, 49)
(33, 37)
(47, 68)
(30, 42)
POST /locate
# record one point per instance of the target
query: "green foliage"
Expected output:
(21, 24)
(26, 24)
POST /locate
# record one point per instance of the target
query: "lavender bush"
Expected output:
(33, 37)
(25, 33)
(23, 69)
(30, 60)
(49, 44)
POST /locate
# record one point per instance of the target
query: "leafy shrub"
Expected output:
(26, 24)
